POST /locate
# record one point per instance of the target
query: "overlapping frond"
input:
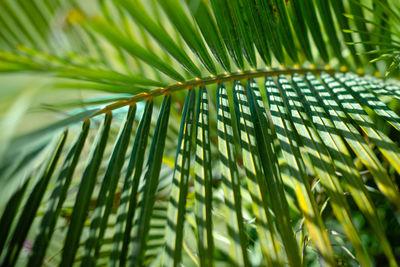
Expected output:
(306, 114)
(220, 35)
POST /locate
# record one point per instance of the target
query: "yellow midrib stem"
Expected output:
(197, 82)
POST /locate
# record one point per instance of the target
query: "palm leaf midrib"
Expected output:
(215, 79)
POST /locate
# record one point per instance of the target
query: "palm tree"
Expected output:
(173, 132)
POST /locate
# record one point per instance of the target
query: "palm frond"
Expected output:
(227, 155)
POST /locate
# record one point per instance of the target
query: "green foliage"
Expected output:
(190, 142)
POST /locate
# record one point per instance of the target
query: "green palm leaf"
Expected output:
(302, 170)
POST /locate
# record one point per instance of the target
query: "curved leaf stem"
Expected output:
(212, 79)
